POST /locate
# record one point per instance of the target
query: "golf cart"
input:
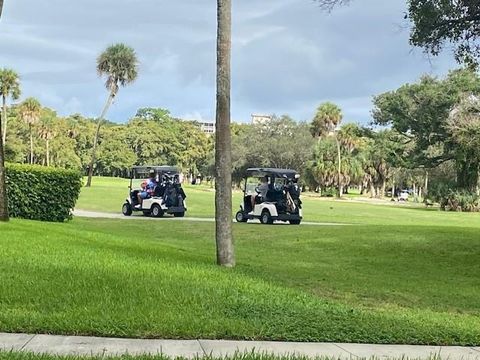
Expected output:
(165, 196)
(277, 198)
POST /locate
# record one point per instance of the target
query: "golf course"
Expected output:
(391, 273)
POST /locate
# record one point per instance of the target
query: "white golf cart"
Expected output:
(166, 197)
(277, 198)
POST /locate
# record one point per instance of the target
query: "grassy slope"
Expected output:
(399, 284)
(108, 195)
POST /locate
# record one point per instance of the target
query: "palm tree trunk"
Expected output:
(223, 151)
(48, 152)
(3, 185)
(4, 118)
(340, 186)
(31, 144)
(425, 188)
(110, 98)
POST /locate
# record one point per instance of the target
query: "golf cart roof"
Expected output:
(163, 169)
(288, 173)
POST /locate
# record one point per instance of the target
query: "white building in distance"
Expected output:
(207, 127)
(259, 119)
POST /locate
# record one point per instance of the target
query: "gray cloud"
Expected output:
(288, 56)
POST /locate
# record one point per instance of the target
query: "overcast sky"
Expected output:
(288, 56)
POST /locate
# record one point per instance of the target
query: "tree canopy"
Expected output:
(421, 112)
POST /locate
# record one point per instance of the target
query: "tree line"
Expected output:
(429, 139)
(152, 136)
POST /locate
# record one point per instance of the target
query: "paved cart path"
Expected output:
(105, 215)
(82, 345)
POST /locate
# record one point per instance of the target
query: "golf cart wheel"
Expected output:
(266, 218)
(240, 217)
(179, 214)
(127, 209)
(156, 211)
(295, 222)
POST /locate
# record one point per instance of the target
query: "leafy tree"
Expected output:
(420, 112)
(223, 150)
(9, 88)
(281, 143)
(115, 156)
(82, 131)
(30, 114)
(1, 7)
(437, 23)
(120, 65)
(463, 124)
(156, 114)
(383, 154)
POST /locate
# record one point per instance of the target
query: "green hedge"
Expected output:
(42, 193)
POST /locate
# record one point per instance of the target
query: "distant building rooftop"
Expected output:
(260, 119)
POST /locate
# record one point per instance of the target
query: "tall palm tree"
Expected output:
(29, 111)
(46, 131)
(3, 184)
(120, 65)
(327, 118)
(223, 150)
(9, 87)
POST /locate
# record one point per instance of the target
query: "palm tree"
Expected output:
(3, 184)
(9, 87)
(327, 118)
(30, 113)
(120, 65)
(46, 131)
(223, 149)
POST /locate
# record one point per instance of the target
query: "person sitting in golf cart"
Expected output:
(148, 188)
(262, 190)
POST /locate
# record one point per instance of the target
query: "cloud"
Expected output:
(288, 55)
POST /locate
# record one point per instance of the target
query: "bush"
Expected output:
(456, 200)
(42, 193)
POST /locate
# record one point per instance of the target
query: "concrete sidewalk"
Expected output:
(82, 345)
(139, 216)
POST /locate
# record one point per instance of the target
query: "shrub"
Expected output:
(42, 193)
(456, 200)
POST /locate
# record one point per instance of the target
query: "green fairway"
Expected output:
(108, 195)
(363, 283)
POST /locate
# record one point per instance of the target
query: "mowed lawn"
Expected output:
(414, 279)
(109, 194)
